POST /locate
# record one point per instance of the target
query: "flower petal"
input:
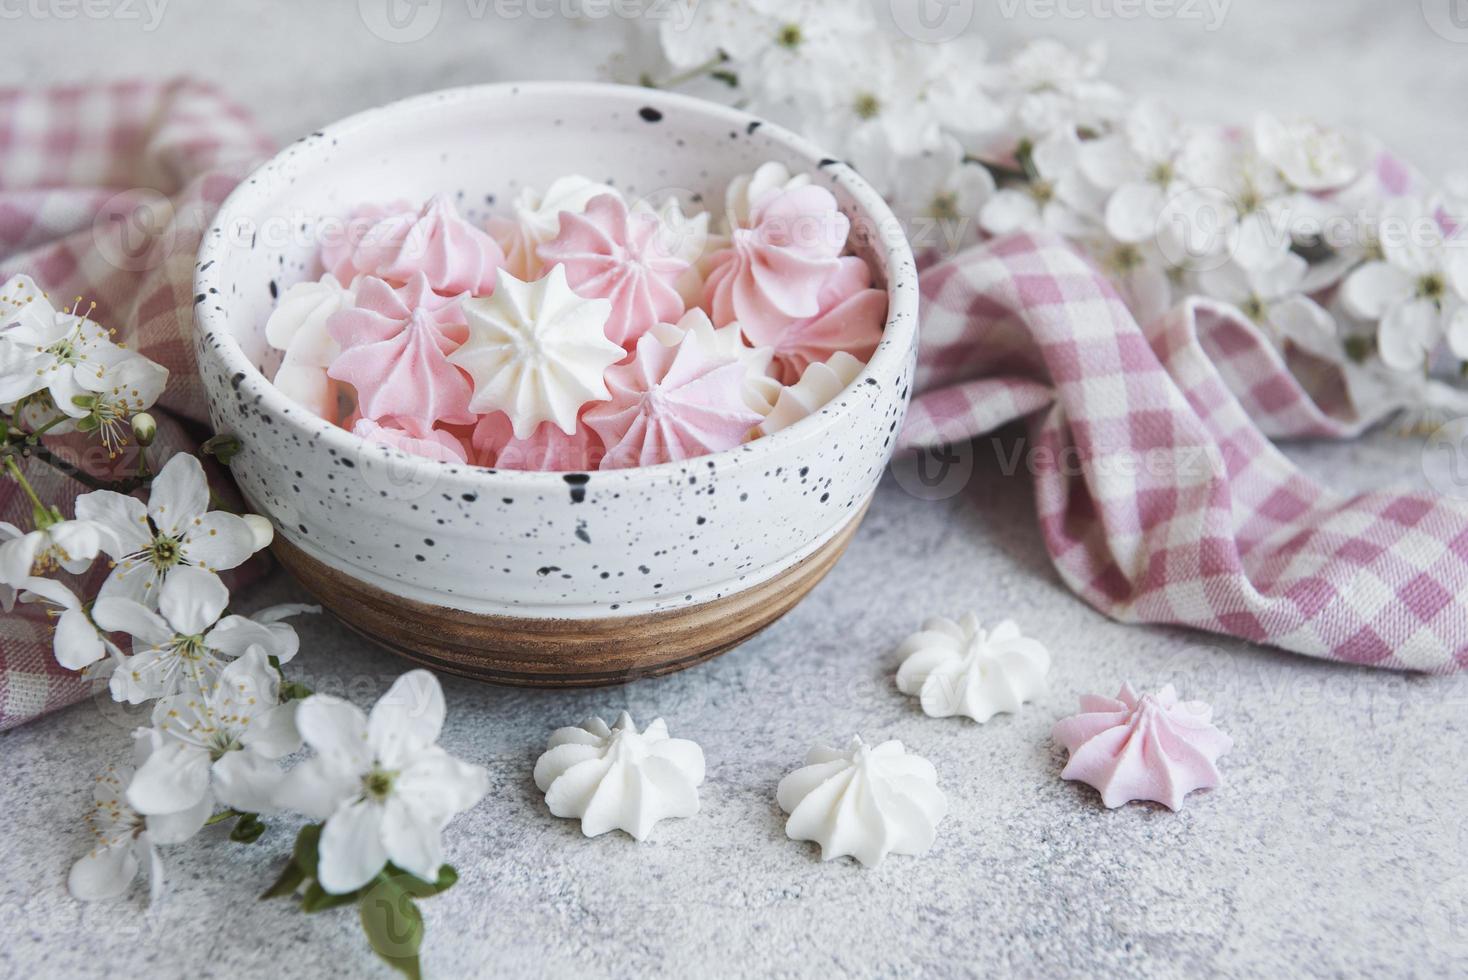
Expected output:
(174, 778)
(247, 781)
(1373, 289)
(317, 787)
(105, 873)
(125, 516)
(126, 616)
(218, 541)
(351, 848)
(335, 728)
(1408, 332)
(192, 599)
(413, 839)
(178, 495)
(175, 828)
(407, 719)
(77, 643)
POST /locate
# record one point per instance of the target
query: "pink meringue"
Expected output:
(609, 253)
(341, 243)
(852, 315)
(432, 443)
(548, 449)
(407, 376)
(438, 242)
(380, 311)
(772, 273)
(670, 403)
(1147, 747)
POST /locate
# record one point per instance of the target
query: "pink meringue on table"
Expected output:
(772, 273)
(381, 310)
(340, 242)
(548, 449)
(431, 443)
(611, 253)
(852, 315)
(1142, 747)
(671, 403)
(437, 241)
(407, 376)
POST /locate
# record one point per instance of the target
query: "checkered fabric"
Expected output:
(1161, 498)
(105, 191)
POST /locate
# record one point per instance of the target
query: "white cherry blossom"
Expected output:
(76, 643)
(1057, 198)
(175, 529)
(1311, 157)
(183, 646)
(384, 788)
(70, 546)
(1137, 164)
(61, 352)
(126, 839)
(1274, 298)
(221, 741)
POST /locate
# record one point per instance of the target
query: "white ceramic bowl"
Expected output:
(521, 546)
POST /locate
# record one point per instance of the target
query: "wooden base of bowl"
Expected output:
(560, 652)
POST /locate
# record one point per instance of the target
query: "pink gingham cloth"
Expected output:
(105, 191)
(1160, 499)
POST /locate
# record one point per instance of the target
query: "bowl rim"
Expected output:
(902, 288)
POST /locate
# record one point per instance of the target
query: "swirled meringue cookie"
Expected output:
(962, 669)
(863, 802)
(748, 190)
(537, 219)
(852, 315)
(671, 403)
(615, 778)
(818, 385)
(339, 244)
(772, 272)
(761, 389)
(537, 352)
(1142, 747)
(298, 327)
(436, 241)
(407, 376)
(609, 252)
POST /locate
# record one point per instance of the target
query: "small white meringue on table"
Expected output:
(962, 669)
(863, 802)
(616, 778)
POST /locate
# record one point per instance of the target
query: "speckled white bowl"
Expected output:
(516, 547)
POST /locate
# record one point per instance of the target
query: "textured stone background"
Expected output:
(1337, 846)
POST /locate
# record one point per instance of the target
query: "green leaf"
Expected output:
(417, 887)
(290, 879)
(291, 691)
(318, 899)
(729, 78)
(247, 829)
(393, 924)
(307, 842)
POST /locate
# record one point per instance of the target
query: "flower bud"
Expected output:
(261, 530)
(145, 428)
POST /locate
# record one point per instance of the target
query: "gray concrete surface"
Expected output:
(1336, 847)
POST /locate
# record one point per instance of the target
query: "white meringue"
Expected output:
(298, 327)
(747, 190)
(687, 239)
(818, 385)
(760, 388)
(619, 779)
(962, 669)
(863, 802)
(537, 220)
(537, 352)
